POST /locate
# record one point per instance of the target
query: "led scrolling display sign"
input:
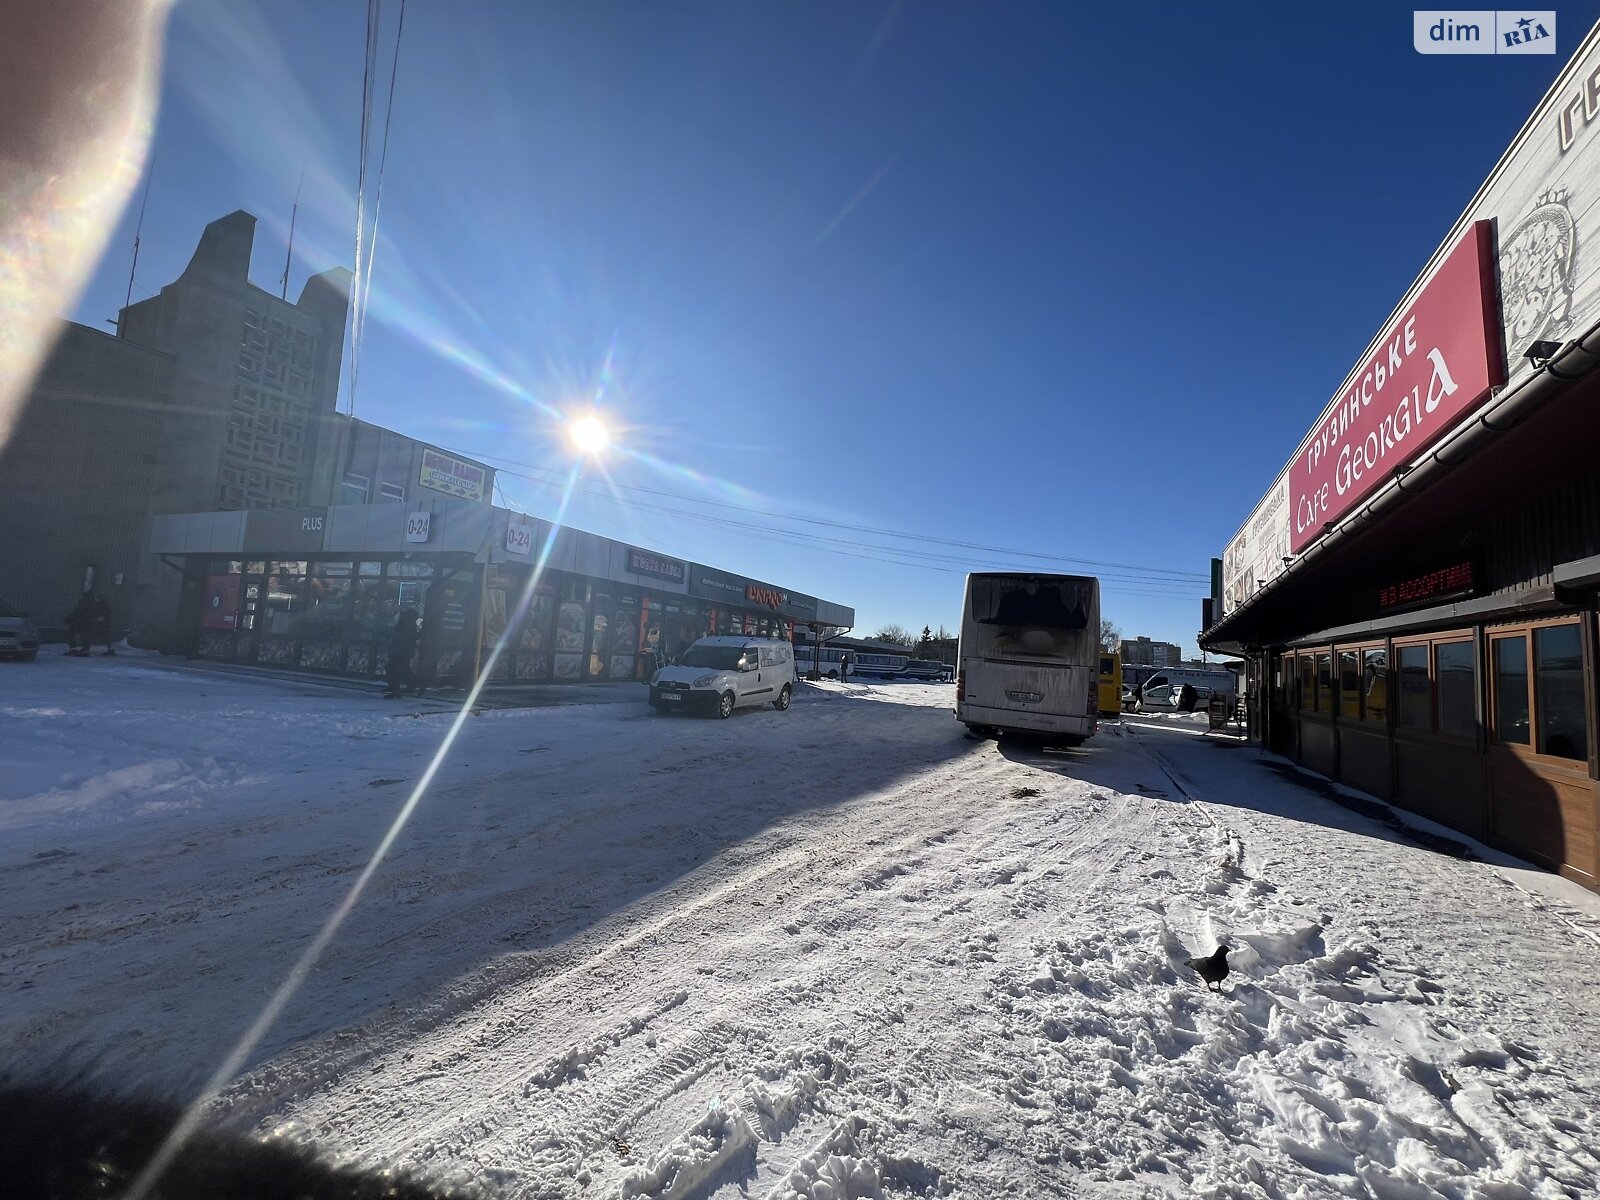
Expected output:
(1434, 364)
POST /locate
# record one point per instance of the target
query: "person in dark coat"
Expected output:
(80, 623)
(99, 624)
(1187, 697)
(402, 647)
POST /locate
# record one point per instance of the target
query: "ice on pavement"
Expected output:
(839, 952)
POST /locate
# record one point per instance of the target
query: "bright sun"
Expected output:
(589, 434)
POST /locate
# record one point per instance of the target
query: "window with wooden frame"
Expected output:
(1375, 684)
(1348, 676)
(1323, 705)
(1438, 685)
(1305, 681)
(1539, 693)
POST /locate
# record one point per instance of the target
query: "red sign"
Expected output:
(220, 608)
(1432, 367)
(770, 597)
(1444, 584)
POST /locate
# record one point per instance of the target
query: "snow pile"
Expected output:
(716, 1145)
(838, 1169)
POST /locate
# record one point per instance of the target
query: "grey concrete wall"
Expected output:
(80, 474)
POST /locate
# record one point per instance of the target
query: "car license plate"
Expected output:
(671, 697)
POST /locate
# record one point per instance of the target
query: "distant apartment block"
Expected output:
(1142, 652)
(214, 394)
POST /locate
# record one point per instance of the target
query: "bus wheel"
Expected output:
(725, 706)
(782, 702)
(833, 674)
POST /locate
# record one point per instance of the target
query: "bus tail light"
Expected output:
(961, 685)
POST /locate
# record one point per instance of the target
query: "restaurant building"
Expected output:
(318, 589)
(1416, 594)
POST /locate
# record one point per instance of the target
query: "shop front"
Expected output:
(320, 591)
(1416, 594)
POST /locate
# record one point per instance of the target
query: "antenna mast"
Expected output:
(137, 231)
(294, 213)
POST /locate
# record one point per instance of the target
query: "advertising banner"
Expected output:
(712, 586)
(658, 566)
(1256, 554)
(220, 609)
(450, 475)
(1434, 364)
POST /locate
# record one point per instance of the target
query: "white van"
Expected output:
(720, 674)
(1218, 679)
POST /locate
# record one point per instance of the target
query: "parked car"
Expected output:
(720, 674)
(19, 636)
(925, 668)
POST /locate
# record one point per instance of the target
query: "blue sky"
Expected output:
(1029, 277)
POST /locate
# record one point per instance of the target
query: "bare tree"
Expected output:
(898, 634)
(1110, 635)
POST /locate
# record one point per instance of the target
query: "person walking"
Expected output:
(78, 627)
(99, 624)
(1187, 697)
(402, 647)
(844, 666)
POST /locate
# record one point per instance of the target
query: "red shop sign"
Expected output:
(1433, 366)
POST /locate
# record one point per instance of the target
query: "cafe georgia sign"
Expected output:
(1434, 364)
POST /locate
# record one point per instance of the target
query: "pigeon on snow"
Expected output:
(1213, 968)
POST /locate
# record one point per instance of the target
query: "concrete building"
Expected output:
(1142, 652)
(213, 395)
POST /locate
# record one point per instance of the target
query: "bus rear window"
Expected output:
(1028, 604)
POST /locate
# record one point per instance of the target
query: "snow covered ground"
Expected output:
(839, 952)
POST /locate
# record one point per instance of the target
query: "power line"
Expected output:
(383, 159)
(1156, 574)
(896, 555)
(370, 60)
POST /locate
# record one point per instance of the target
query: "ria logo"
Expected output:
(1484, 31)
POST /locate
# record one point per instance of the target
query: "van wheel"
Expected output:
(782, 702)
(725, 706)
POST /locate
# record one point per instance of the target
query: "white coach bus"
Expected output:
(1029, 657)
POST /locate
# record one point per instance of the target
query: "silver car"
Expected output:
(19, 636)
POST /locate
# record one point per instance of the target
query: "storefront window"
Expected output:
(1375, 685)
(1350, 685)
(1305, 682)
(572, 628)
(323, 626)
(1558, 688)
(1324, 698)
(534, 637)
(1416, 696)
(602, 614)
(1511, 690)
(625, 636)
(373, 611)
(1455, 666)
(500, 598)
(283, 605)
